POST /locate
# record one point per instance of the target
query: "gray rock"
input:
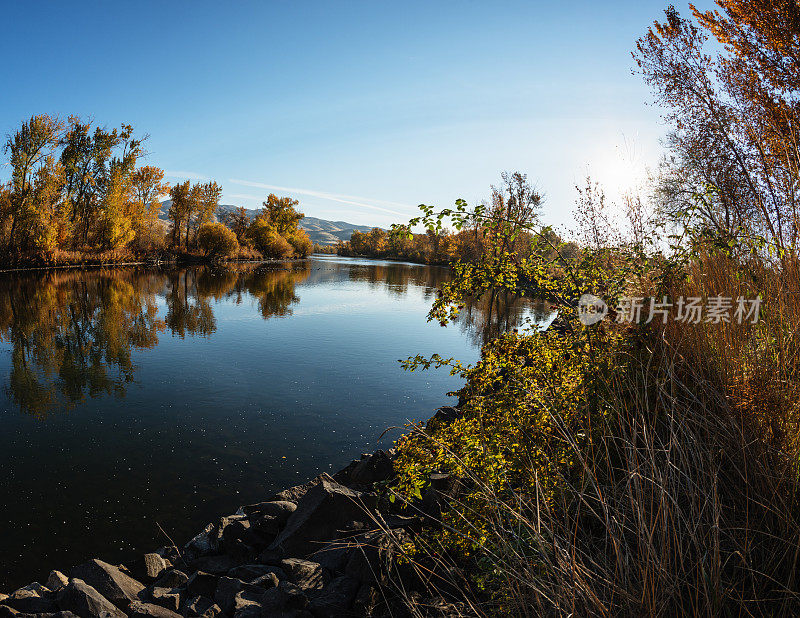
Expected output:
(166, 597)
(247, 602)
(225, 594)
(202, 544)
(270, 580)
(336, 599)
(202, 607)
(137, 609)
(149, 567)
(270, 556)
(249, 572)
(218, 565)
(32, 599)
(82, 599)
(109, 581)
(322, 512)
(373, 469)
(367, 601)
(333, 556)
(371, 557)
(296, 493)
(285, 597)
(202, 584)
(240, 539)
(305, 574)
(278, 509)
(224, 522)
(56, 580)
(173, 578)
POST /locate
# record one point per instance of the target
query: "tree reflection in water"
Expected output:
(72, 333)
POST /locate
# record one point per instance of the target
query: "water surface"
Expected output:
(133, 397)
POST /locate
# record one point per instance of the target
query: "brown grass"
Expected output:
(687, 501)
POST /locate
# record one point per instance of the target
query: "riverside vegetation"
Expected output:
(77, 194)
(642, 468)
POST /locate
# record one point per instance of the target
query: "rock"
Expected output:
(149, 567)
(109, 581)
(284, 598)
(172, 578)
(305, 574)
(137, 609)
(270, 580)
(239, 538)
(343, 476)
(228, 590)
(32, 599)
(224, 522)
(202, 584)
(367, 601)
(374, 469)
(56, 580)
(434, 500)
(201, 545)
(278, 509)
(166, 597)
(336, 599)
(8, 612)
(296, 493)
(249, 572)
(333, 556)
(218, 565)
(326, 508)
(202, 607)
(371, 557)
(247, 602)
(444, 416)
(270, 556)
(169, 553)
(82, 599)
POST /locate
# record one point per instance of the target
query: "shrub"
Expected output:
(216, 240)
(301, 242)
(266, 239)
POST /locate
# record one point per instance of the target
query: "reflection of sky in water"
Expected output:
(175, 396)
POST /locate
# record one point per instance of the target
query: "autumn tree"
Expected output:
(735, 116)
(512, 210)
(238, 220)
(281, 213)
(148, 186)
(30, 152)
(179, 209)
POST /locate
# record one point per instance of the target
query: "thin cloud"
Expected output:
(184, 174)
(244, 196)
(334, 197)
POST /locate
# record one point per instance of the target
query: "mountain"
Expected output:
(320, 231)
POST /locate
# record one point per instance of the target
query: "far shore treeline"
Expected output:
(79, 194)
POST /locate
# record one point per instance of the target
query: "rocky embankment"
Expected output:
(326, 548)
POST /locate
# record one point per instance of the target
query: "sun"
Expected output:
(619, 169)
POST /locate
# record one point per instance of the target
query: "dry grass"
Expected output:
(686, 500)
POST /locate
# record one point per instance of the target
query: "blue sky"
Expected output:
(360, 110)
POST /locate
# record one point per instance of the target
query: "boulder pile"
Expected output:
(322, 549)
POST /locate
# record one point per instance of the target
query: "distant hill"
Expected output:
(320, 231)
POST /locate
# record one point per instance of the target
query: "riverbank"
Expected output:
(330, 547)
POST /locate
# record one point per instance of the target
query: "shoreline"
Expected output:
(177, 263)
(325, 548)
